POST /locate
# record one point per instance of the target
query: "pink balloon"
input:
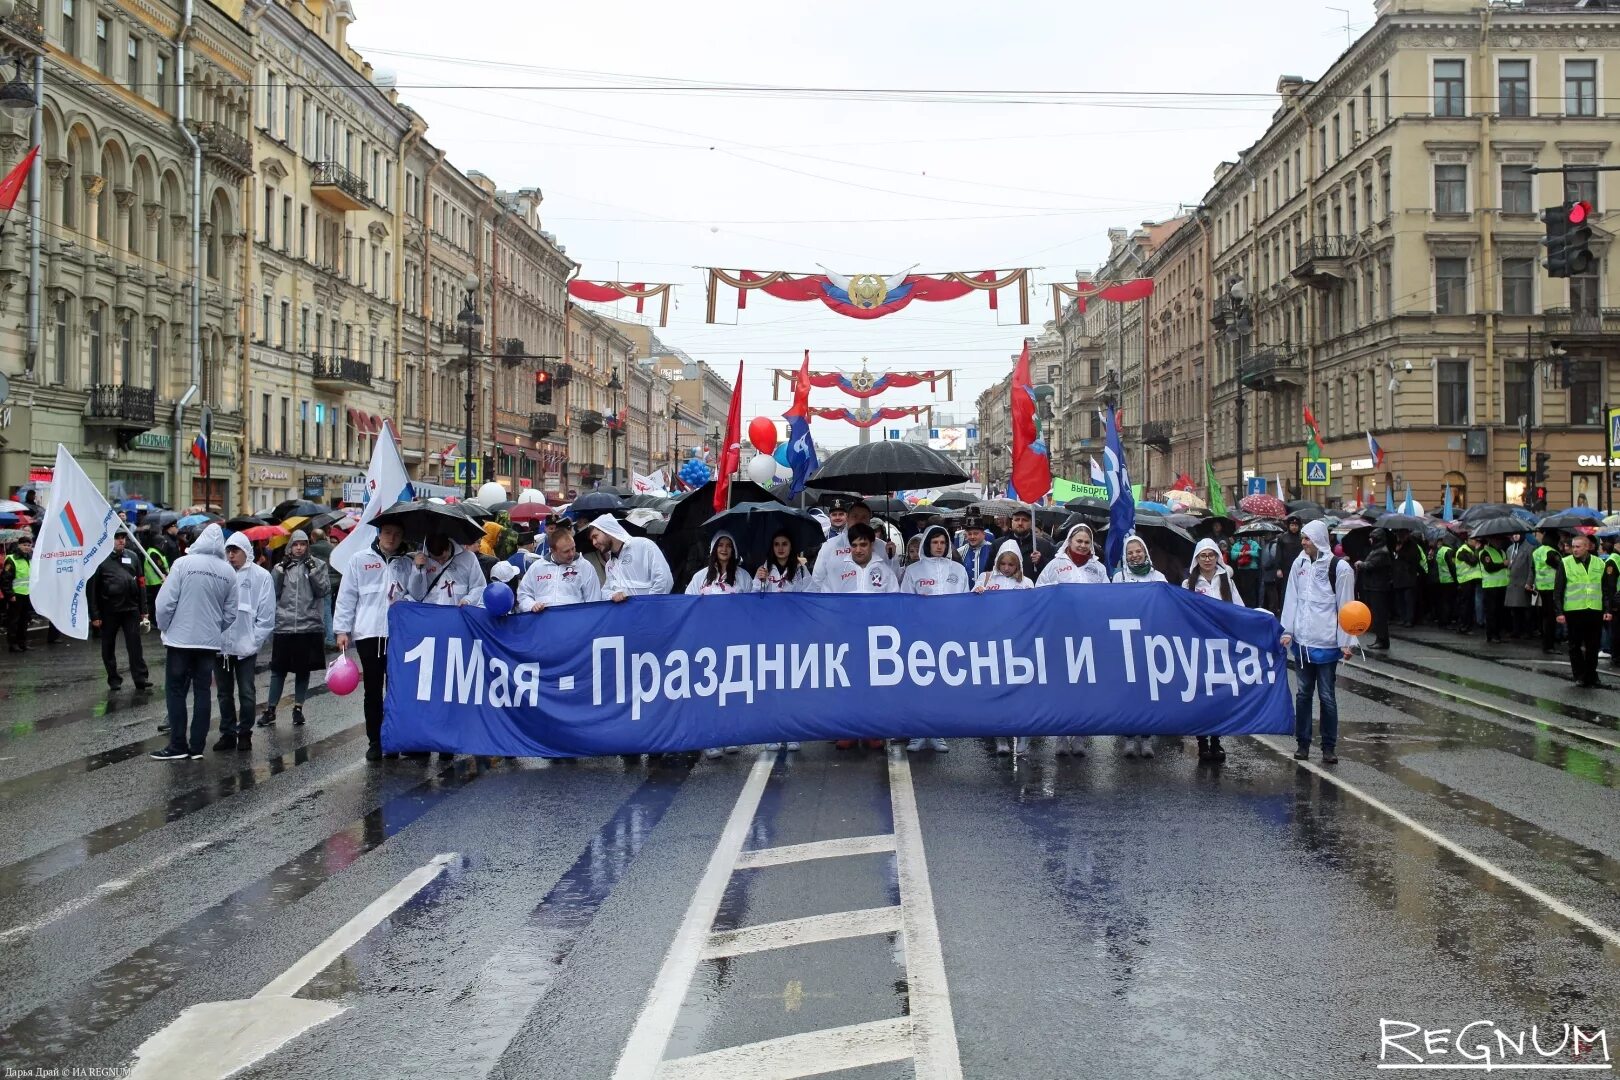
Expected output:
(762, 433)
(342, 676)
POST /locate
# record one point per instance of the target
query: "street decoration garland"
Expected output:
(864, 384)
(865, 418)
(608, 292)
(1119, 292)
(866, 295)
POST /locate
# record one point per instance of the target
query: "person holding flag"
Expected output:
(76, 534)
(1121, 506)
(387, 483)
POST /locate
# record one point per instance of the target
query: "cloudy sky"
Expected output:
(651, 164)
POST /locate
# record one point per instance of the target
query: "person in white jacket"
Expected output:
(195, 607)
(1077, 563)
(633, 565)
(1318, 584)
(560, 578)
(1137, 569)
(837, 546)
(374, 581)
(786, 571)
(1211, 577)
(235, 665)
(447, 574)
(862, 570)
(724, 575)
(935, 573)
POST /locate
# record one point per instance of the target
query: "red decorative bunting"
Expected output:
(608, 292)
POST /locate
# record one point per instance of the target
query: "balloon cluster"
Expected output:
(694, 473)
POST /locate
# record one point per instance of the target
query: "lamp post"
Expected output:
(471, 322)
(1237, 329)
(614, 387)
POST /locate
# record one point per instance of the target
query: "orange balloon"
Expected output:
(1355, 618)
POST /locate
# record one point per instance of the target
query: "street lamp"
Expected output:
(471, 322)
(614, 387)
(1236, 329)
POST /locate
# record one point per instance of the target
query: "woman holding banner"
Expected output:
(935, 573)
(1208, 577)
(784, 571)
(722, 577)
(1137, 570)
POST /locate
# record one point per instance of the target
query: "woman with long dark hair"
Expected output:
(1212, 578)
(785, 571)
(723, 576)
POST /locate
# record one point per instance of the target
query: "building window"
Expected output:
(1383, 92)
(1451, 286)
(160, 82)
(264, 424)
(1338, 143)
(1581, 184)
(1586, 292)
(154, 354)
(286, 323)
(1518, 391)
(1513, 87)
(286, 222)
(61, 356)
(286, 408)
(126, 353)
(1452, 392)
(103, 63)
(264, 320)
(133, 74)
(1449, 99)
(1451, 189)
(96, 374)
(1518, 190)
(1387, 204)
(1580, 87)
(303, 232)
(303, 330)
(1518, 286)
(1583, 380)
(70, 28)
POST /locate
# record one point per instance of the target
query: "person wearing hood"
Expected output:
(1319, 584)
(862, 569)
(1137, 569)
(935, 573)
(837, 548)
(1376, 574)
(724, 575)
(447, 574)
(633, 565)
(298, 646)
(195, 607)
(1076, 564)
(1211, 577)
(1006, 573)
(376, 578)
(235, 666)
(786, 571)
(560, 578)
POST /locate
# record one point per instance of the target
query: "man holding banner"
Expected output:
(75, 535)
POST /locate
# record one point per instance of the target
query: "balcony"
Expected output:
(223, 146)
(1320, 261)
(337, 187)
(589, 421)
(1272, 367)
(126, 410)
(1561, 322)
(542, 424)
(23, 27)
(1157, 433)
(339, 373)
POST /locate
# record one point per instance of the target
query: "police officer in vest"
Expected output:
(1445, 584)
(117, 597)
(1545, 562)
(1585, 599)
(15, 587)
(1493, 568)
(1466, 560)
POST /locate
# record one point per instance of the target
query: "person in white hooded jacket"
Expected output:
(1137, 569)
(1318, 584)
(375, 579)
(1006, 573)
(447, 574)
(935, 573)
(195, 607)
(560, 577)
(1077, 563)
(1211, 577)
(633, 565)
(724, 575)
(235, 665)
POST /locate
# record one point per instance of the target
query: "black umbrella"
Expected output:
(245, 521)
(1356, 544)
(1258, 528)
(1302, 511)
(1052, 517)
(295, 508)
(1402, 523)
(753, 525)
(655, 502)
(502, 507)
(887, 506)
(1482, 511)
(592, 503)
(683, 531)
(163, 519)
(876, 468)
(326, 521)
(1000, 507)
(1497, 526)
(1564, 520)
(423, 519)
(954, 500)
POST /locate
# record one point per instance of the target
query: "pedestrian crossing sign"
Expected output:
(1316, 472)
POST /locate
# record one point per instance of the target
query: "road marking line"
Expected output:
(818, 849)
(650, 1036)
(828, 1050)
(806, 931)
(1507, 877)
(1455, 695)
(933, 1026)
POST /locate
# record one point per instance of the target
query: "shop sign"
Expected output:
(152, 440)
(265, 474)
(354, 493)
(1361, 464)
(1595, 461)
(314, 487)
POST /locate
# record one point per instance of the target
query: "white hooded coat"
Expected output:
(741, 581)
(197, 603)
(457, 580)
(1124, 576)
(1212, 586)
(845, 575)
(370, 587)
(1063, 570)
(1311, 605)
(558, 584)
(837, 548)
(993, 580)
(777, 581)
(639, 569)
(255, 605)
(930, 576)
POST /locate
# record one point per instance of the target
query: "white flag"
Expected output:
(75, 535)
(649, 485)
(1098, 477)
(387, 483)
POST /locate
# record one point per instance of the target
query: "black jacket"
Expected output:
(1408, 566)
(118, 586)
(1028, 543)
(1284, 550)
(1377, 571)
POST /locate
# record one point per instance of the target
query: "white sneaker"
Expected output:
(732, 749)
(1003, 747)
(792, 746)
(938, 745)
(1021, 744)
(1130, 746)
(1144, 746)
(915, 745)
(712, 752)
(1077, 745)
(773, 747)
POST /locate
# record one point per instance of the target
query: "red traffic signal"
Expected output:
(542, 378)
(1579, 212)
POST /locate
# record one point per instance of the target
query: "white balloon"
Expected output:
(532, 495)
(762, 469)
(490, 494)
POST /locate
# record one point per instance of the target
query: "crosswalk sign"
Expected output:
(1316, 472)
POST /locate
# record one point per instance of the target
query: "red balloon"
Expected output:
(762, 433)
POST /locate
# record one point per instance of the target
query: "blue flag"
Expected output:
(1121, 507)
(1446, 513)
(1407, 507)
(1389, 500)
(801, 453)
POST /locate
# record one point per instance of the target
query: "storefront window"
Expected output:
(1513, 489)
(1585, 488)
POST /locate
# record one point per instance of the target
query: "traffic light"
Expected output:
(1556, 218)
(1538, 499)
(1578, 238)
(542, 387)
(1542, 460)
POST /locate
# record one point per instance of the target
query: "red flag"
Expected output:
(1031, 465)
(801, 390)
(12, 185)
(731, 452)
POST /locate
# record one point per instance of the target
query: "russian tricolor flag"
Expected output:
(1375, 450)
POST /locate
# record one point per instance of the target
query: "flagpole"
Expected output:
(145, 557)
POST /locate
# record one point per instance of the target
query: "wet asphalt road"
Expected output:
(1095, 917)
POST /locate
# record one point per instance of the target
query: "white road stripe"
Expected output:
(649, 1038)
(812, 1052)
(1608, 935)
(819, 849)
(806, 931)
(933, 1025)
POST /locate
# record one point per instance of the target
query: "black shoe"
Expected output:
(443, 757)
(391, 756)
(1330, 758)
(115, 683)
(169, 754)
(197, 755)
(420, 755)
(226, 742)
(14, 648)
(244, 741)
(1203, 748)
(1302, 755)
(268, 719)
(1216, 751)
(142, 687)
(373, 752)
(298, 716)
(163, 729)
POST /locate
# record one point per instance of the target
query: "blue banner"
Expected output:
(665, 673)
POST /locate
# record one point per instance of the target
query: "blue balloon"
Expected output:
(781, 455)
(498, 598)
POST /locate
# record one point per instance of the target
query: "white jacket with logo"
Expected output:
(255, 605)
(370, 587)
(557, 585)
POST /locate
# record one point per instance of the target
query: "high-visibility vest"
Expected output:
(155, 562)
(22, 568)
(1468, 566)
(1496, 579)
(1583, 586)
(1546, 560)
(1423, 561)
(1446, 568)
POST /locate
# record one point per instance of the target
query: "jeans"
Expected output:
(188, 670)
(278, 679)
(127, 623)
(374, 668)
(237, 693)
(1322, 679)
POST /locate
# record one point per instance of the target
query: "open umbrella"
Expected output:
(1185, 499)
(196, 519)
(1263, 506)
(297, 508)
(422, 519)
(955, 500)
(261, 533)
(592, 503)
(753, 524)
(1000, 507)
(887, 506)
(1090, 510)
(1301, 504)
(877, 468)
(12, 506)
(245, 521)
(1258, 528)
(11, 536)
(1587, 514)
(1496, 526)
(697, 506)
(530, 512)
(1306, 511)
(1402, 523)
(1481, 511)
(1565, 519)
